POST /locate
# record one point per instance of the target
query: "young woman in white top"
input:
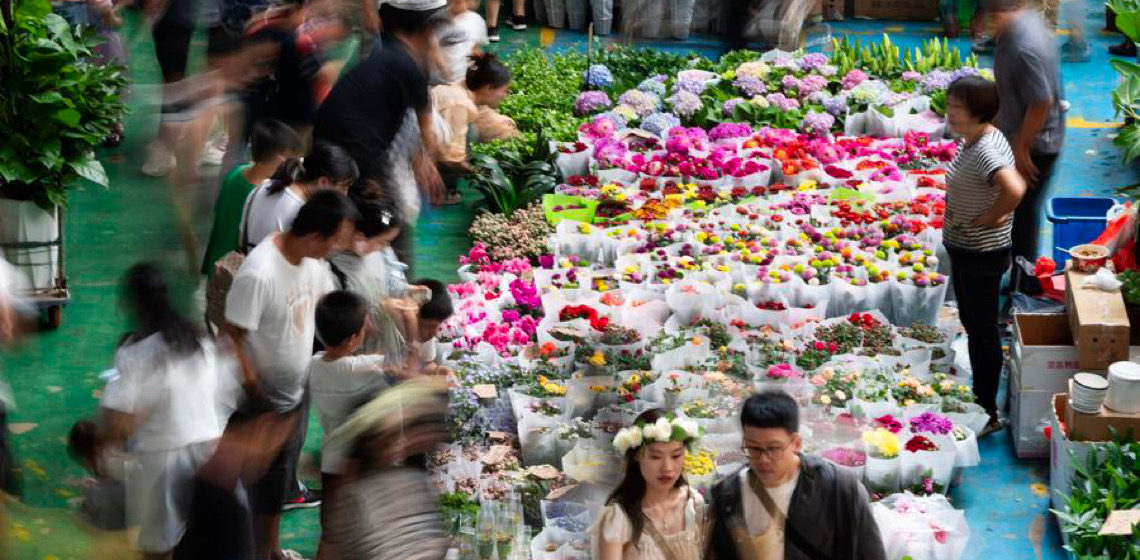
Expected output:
(272, 207)
(652, 514)
(170, 404)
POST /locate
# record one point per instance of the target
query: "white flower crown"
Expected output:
(664, 430)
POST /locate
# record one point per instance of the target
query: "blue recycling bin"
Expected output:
(1076, 220)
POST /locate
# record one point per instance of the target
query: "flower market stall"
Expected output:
(770, 225)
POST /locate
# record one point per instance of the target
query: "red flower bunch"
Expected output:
(920, 443)
(571, 312)
(771, 306)
(826, 346)
(863, 320)
(582, 181)
(574, 148)
(648, 185)
(889, 423)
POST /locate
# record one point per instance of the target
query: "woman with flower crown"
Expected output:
(653, 514)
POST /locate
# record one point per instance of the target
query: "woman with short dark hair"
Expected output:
(983, 190)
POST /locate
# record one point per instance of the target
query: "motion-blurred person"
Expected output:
(1077, 48)
(340, 382)
(389, 437)
(464, 36)
(170, 405)
(220, 522)
(487, 83)
(786, 503)
(516, 20)
(270, 314)
(1028, 76)
(983, 189)
(104, 504)
(273, 143)
(271, 208)
(387, 148)
(11, 283)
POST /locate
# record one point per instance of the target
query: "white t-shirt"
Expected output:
(337, 389)
(458, 39)
(179, 400)
(275, 302)
(268, 213)
(756, 517)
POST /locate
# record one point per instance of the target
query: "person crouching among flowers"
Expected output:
(652, 514)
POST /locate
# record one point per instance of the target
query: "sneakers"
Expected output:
(1127, 48)
(213, 153)
(995, 425)
(515, 22)
(1065, 106)
(1076, 52)
(291, 555)
(159, 161)
(308, 498)
(493, 34)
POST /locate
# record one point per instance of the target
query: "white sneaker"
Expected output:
(159, 161)
(1065, 106)
(292, 555)
(213, 153)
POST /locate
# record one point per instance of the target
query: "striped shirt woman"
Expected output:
(971, 194)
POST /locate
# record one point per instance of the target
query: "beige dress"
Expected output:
(613, 525)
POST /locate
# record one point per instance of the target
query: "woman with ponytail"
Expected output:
(169, 405)
(271, 208)
(488, 82)
(653, 514)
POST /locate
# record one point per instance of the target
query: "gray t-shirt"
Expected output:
(1028, 71)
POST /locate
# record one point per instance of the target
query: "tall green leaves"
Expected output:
(512, 180)
(55, 105)
(1126, 101)
(1127, 17)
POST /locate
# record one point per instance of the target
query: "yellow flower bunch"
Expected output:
(882, 443)
(598, 388)
(551, 389)
(808, 185)
(700, 463)
(598, 359)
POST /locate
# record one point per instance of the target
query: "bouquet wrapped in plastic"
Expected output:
(921, 527)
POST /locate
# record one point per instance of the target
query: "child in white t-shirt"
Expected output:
(339, 383)
(461, 38)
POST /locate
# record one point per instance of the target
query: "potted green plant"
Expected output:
(56, 107)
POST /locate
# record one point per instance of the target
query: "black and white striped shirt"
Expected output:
(970, 192)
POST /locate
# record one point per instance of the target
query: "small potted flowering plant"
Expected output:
(573, 158)
(882, 461)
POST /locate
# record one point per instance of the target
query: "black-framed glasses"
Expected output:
(771, 452)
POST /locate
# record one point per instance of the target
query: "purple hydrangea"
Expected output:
(836, 105)
(827, 70)
(591, 101)
(791, 82)
(690, 86)
(641, 102)
(660, 123)
(911, 76)
(731, 104)
(685, 104)
(963, 72)
(817, 123)
(818, 97)
(812, 84)
(937, 80)
(653, 86)
(598, 76)
(854, 78)
(617, 120)
(783, 102)
(811, 61)
(751, 86)
(786, 62)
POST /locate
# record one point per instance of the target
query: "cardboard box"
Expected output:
(1063, 453)
(1029, 415)
(1095, 427)
(908, 10)
(1098, 321)
(1043, 354)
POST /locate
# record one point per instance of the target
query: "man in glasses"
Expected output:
(786, 504)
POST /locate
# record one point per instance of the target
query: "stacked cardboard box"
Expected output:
(1042, 360)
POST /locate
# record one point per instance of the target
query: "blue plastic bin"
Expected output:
(1076, 220)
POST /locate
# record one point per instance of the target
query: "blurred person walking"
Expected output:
(1028, 76)
(170, 404)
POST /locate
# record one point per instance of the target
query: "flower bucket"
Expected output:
(882, 475)
(616, 175)
(572, 164)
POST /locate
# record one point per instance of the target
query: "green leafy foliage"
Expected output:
(543, 91)
(1103, 482)
(1131, 286)
(631, 65)
(887, 61)
(512, 180)
(1127, 17)
(56, 105)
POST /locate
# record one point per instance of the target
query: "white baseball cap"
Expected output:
(416, 5)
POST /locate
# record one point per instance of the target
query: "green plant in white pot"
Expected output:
(56, 107)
